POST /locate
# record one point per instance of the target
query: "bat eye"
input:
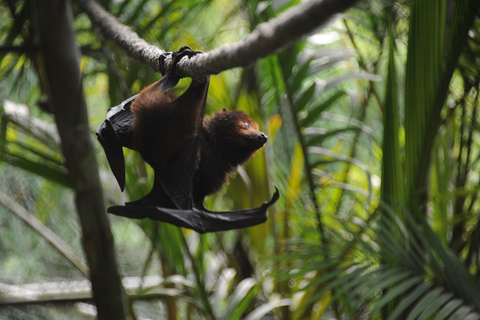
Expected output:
(247, 124)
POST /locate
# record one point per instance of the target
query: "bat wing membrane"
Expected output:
(200, 220)
(115, 132)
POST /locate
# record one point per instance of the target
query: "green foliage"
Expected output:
(31, 145)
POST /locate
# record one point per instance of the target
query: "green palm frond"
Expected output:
(423, 284)
(436, 38)
(31, 144)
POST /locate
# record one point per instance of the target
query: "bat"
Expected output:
(192, 156)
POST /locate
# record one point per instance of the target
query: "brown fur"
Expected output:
(164, 125)
(226, 142)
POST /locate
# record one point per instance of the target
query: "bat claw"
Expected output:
(174, 58)
(170, 78)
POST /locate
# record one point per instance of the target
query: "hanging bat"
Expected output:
(192, 157)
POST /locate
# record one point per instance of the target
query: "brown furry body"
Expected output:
(166, 128)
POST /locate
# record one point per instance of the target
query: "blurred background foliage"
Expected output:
(373, 143)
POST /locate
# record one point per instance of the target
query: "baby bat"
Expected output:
(192, 157)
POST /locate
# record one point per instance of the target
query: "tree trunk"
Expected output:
(65, 94)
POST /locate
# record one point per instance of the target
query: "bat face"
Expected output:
(236, 133)
(253, 138)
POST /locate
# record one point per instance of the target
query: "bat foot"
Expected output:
(170, 78)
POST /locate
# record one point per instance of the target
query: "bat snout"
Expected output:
(262, 137)
(258, 140)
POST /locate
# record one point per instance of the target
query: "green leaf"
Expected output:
(240, 299)
(53, 174)
(354, 75)
(315, 112)
(424, 303)
(304, 98)
(463, 313)
(288, 58)
(435, 306)
(262, 311)
(396, 291)
(393, 182)
(300, 76)
(327, 58)
(409, 300)
(448, 308)
(342, 280)
(393, 278)
(317, 138)
(378, 275)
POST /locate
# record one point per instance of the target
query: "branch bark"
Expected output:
(267, 39)
(65, 91)
(122, 35)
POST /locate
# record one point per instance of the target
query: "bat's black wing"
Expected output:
(115, 132)
(200, 220)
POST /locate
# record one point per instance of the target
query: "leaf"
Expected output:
(398, 290)
(339, 157)
(300, 75)
(319, 135)
(288, 58)
(262, 311)
(304, 98)
(326, 58)
(410, 299)
(354, 75)
(240, 299)
(296, 176)
(463, 313)
(53, 174)
(315, 112)
(392, 279)
(435, 306)
(448, 308)
(222, 287)
(338, 275)
(343, 282)
(392, 188)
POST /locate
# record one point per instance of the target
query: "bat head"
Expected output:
(252, 138)
(236, 135)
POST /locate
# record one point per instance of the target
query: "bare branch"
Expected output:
(267, 39)
(33, 222)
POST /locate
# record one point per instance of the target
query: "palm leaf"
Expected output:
(392, 170)
(31, 144)
(428, 73)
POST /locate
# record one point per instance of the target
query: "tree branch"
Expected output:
(267, 39)
(51, 237)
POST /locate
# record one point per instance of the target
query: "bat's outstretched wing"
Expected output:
(200, 220)
(115, 132)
